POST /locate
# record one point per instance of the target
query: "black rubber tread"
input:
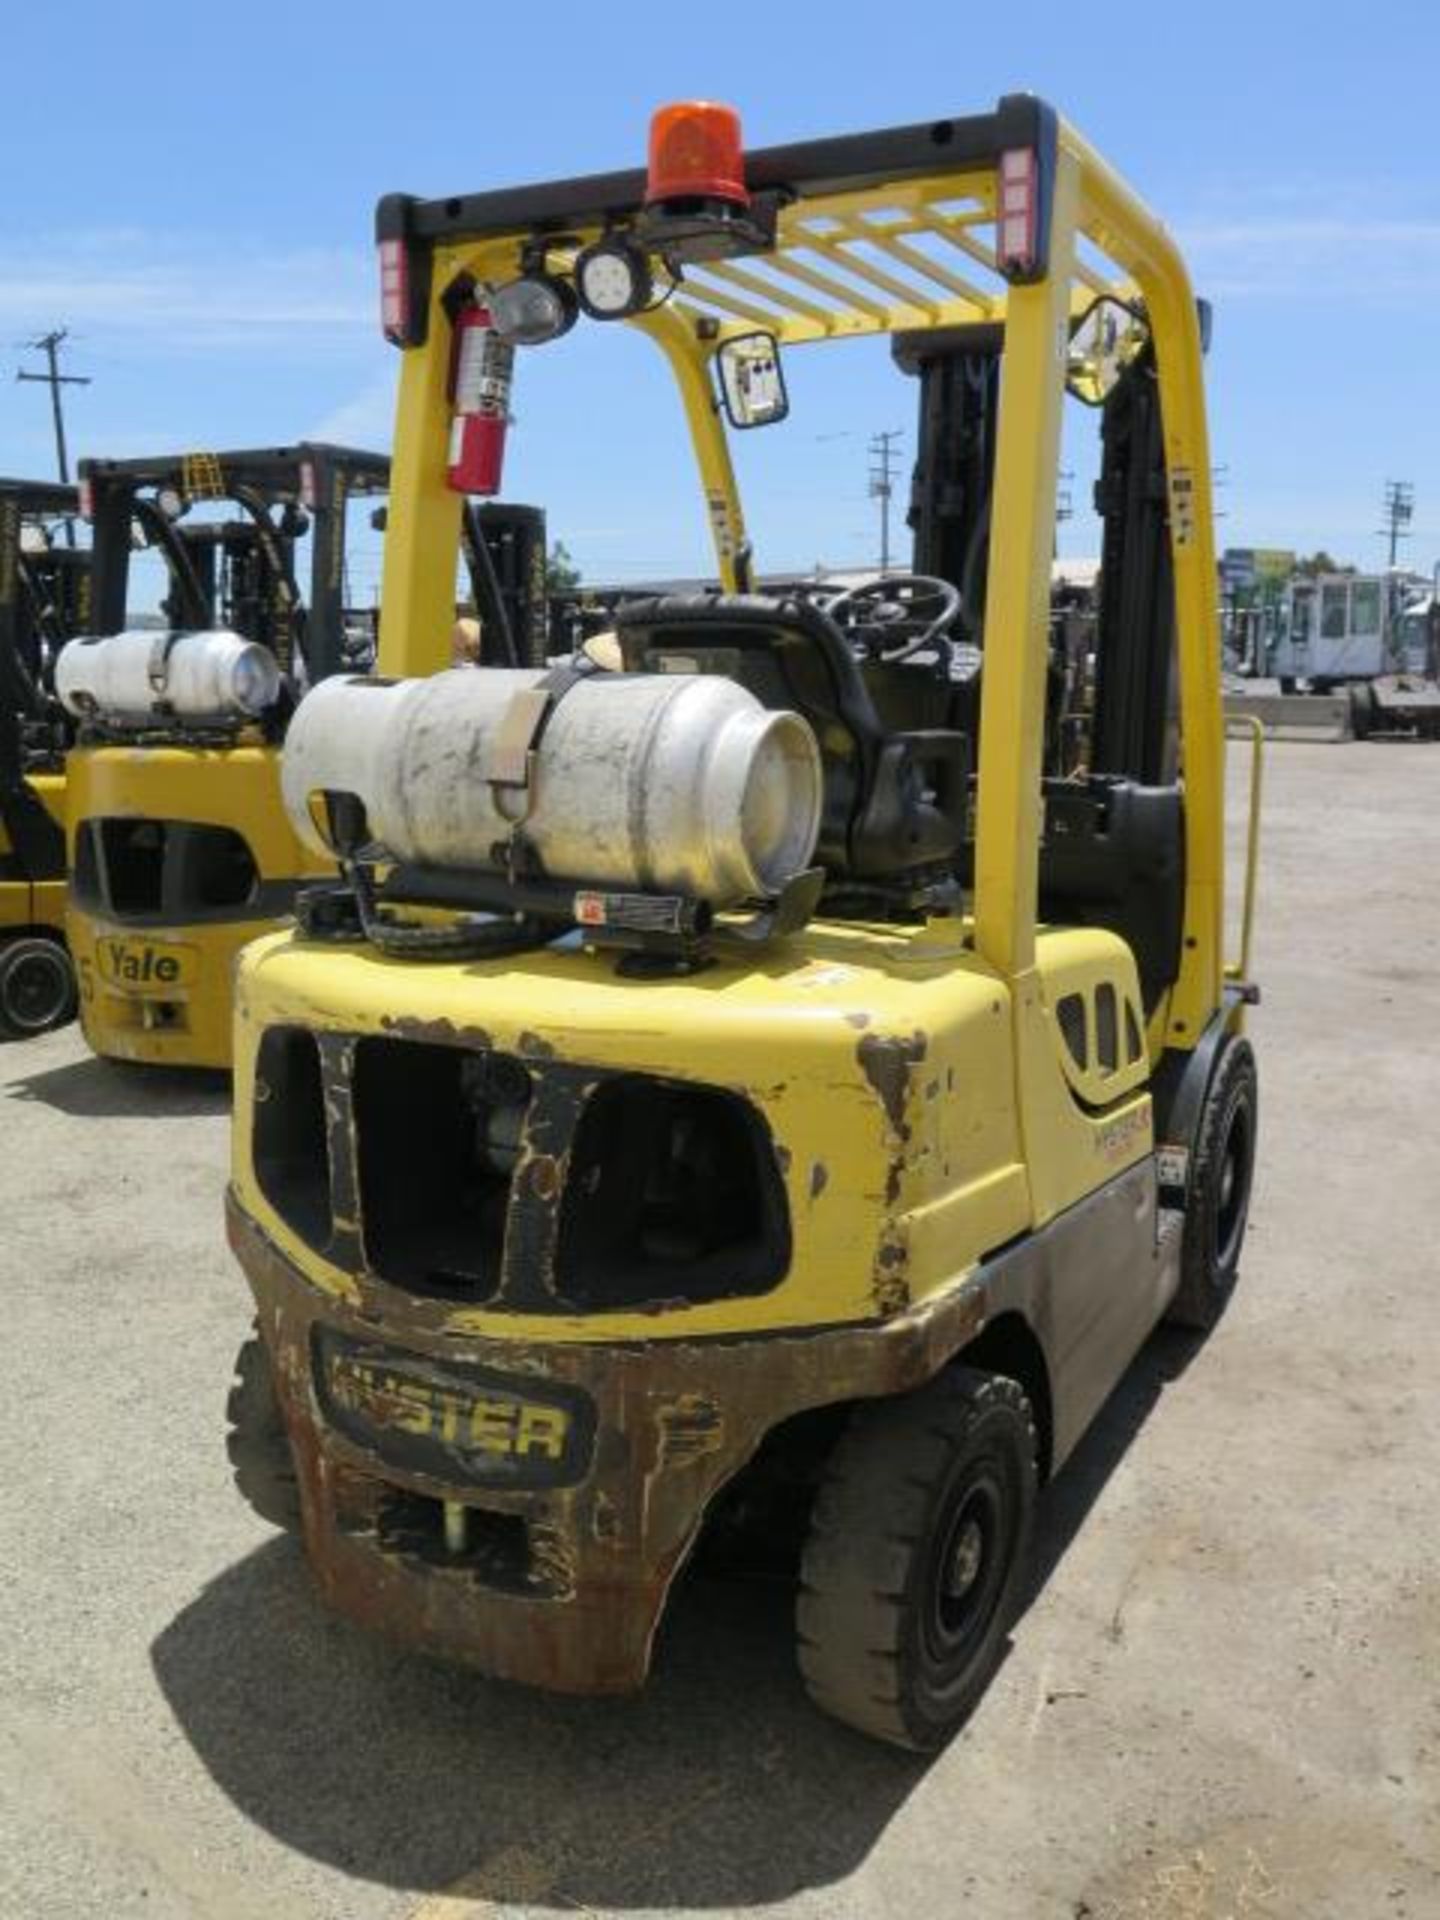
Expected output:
(257, 1443)
(1362, 709)
(14, 1023)
(858, 1615)
(1206, 1278)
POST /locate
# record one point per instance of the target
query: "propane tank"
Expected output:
(137, 678)
(674, 783)
(481, 367)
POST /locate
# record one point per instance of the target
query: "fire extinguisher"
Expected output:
(481, 367)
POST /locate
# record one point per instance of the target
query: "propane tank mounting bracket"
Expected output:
(512, 755)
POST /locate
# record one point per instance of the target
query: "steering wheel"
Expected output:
(915, 608)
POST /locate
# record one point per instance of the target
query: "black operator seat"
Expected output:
(894, 802)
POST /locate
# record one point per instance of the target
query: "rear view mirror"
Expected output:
(1108, 336)
(752, 383)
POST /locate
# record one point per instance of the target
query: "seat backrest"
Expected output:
(883, 813)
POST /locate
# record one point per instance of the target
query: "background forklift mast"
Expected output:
(236, 572)
(179, 847)
(43, 603)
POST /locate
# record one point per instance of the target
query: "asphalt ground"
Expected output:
(1222, 1700)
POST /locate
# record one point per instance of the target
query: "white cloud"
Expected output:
(366, 419)
(182, 291)
(1372, 261)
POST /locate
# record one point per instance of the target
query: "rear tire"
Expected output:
(257, 1442)
(1362, 709)
(1217, 1203)
(37, 986)
(917, 1547)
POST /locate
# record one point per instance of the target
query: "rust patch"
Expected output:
(890, 1285)
(819, 1179)
(886, 1060)
(783, 1157)
(858, 1020)
(544, 1174)
(689, 1427)
(604, 1518)
(676, 1419)
(552, 1561)
(893, 1173)
(440, 1033)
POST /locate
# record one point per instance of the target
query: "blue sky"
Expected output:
(193, 200)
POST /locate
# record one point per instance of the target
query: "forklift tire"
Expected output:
(37, 987)
(1362, 709)
(917, 1548)
(257, 1443)
(1288, 683)
(1217, 1203)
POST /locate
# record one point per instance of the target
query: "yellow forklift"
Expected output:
(44, 586)
(731, 1075)
(179, 847)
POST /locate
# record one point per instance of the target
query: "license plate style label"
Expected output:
(145, 966)
(484, 1428)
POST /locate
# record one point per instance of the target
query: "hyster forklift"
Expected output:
(729, 1072)
(44, 583)
(179, 847)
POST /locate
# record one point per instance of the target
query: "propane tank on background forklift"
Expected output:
(733, 1058)
(44, 587)
(179, 847)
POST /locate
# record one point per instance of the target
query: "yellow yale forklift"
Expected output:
(729, 1061)
(44, 585)
(180, 850)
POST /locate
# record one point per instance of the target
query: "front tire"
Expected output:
(917, 1547)
(1217, 1203)
(257, 1442)
(37, 986)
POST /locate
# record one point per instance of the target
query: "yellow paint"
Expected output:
(38, 904)
(131, 1010)
(998, 1128)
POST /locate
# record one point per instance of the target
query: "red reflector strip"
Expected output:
(87, 497)
(394, 291)
(1016, 211)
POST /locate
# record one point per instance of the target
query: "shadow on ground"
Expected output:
(114, 1089)
(720, 1786)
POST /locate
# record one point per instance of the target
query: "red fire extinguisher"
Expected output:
(481, 367)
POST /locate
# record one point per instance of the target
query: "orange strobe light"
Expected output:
(695, 154)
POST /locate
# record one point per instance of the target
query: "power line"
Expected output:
(1399, 511)
(882, 484)
(49, 344)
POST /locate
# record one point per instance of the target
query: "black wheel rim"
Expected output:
(1232, 1189)
(965, 1574)
(35, 991)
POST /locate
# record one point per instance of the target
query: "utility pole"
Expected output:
(882, 484)
(1399, 510)
(49, 344)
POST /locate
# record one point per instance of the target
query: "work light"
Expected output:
(613, 279)
(533, 309)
